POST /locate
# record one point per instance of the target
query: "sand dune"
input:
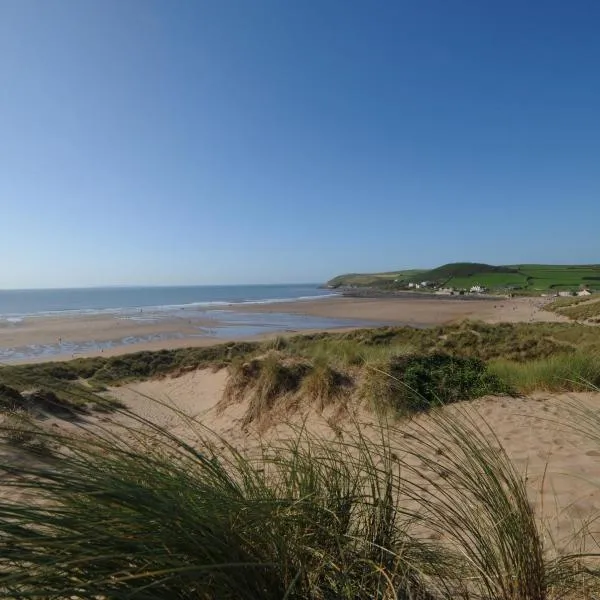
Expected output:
(561, 465)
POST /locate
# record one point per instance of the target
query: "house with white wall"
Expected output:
(477, 289)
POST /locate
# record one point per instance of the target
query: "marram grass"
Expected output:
(140, 513)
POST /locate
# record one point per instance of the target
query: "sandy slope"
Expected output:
(562, 467)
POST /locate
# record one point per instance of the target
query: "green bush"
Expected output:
(409, 384)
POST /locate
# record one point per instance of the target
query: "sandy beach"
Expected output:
(64, 337)
(421, 311)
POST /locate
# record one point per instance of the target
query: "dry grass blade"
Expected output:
(472, 497)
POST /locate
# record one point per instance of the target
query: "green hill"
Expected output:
(529, 278)
(464, 270)
(372, 279)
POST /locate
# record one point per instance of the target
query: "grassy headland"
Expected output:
(463, 276)
(372, 279)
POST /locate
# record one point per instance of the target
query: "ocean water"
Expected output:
(18, 303)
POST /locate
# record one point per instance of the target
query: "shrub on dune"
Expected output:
(413, 383)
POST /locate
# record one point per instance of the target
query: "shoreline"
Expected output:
(41, 338)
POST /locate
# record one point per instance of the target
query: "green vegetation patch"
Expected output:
(522, 278)
(583, 311)
(322, 366)
(574, 372)
(410, 384)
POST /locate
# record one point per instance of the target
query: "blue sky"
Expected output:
(158, 142)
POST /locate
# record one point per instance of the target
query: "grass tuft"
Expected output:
(325, 384)
(473, 497)
(18, 429)
(163, 520)
(558, 373)
(10, 398)
(264, 380)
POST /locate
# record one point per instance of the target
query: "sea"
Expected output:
(19, 303)
(217, 312)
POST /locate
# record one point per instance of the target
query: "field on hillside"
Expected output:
(525, 277)
(488, 280)
(534, 278)
(557, 277)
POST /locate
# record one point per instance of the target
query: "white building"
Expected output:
(477, 289)
(584, 293)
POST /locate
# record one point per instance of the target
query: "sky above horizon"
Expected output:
(220, 142)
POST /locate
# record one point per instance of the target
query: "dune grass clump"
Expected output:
(409, 384)
(507, 340)
(473, 497)
(560, 303)
(10, 398)
(585, 311)
(309, 520)
(426, 514)
(19, 430)
(264, 380)
(325, 384)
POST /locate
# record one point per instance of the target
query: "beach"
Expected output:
(426, 311)
(61, 337)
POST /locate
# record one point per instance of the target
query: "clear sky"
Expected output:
(236, 141)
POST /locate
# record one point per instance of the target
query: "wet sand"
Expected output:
(63, 337)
